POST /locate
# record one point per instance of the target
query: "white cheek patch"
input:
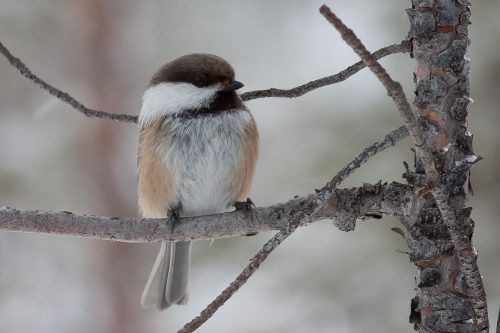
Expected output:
(170, 98)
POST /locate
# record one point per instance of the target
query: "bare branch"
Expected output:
(288, 215)
(240, 280)
(326, 203)
(389, 199)
(303, 89)
(465, 253)
(402, 47)
(237, 223)
(388, 141)
(344, 207)
(275, 217)
(61, 95)
(394, 88)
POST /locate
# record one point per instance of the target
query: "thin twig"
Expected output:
(402, 47)
(303, 89)
(325, 194)
(61, 95)
(237, 283)
(394, 88)
(468, 265)
(387, 141)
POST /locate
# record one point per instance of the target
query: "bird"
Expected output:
(196, 155)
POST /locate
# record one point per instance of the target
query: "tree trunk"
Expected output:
(449, 295)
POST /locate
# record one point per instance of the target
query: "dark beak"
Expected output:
(232, 86)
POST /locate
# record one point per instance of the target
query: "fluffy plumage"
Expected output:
(197, 151)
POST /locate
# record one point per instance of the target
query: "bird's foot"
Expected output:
(246, 205)
(174, 217)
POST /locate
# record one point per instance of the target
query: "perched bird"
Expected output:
(197, 150)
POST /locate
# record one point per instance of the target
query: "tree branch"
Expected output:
(303, 89)
(236, 223)
(275, 217)
(424, 149)
(343, 206)
(387, 141)
(289, 216)
(402, 47)
(394, 88)
(59, 94)
(326, 203)
(389, 199)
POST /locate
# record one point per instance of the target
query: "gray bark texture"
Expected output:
(449, 295)
(343, 206)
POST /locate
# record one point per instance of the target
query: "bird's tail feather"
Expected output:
(168, 282)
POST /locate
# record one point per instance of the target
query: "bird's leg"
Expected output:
(246, 206)
(174, 216)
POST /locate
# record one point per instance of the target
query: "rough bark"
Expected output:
(340, 205)
(449, 295)
(344, 206)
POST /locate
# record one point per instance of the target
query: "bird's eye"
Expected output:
(199, 82)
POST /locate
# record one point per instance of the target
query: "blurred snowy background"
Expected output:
(320, 280)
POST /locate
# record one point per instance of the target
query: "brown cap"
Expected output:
(200, 69)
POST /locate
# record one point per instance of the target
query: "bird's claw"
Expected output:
(174, 217)
(246, 205)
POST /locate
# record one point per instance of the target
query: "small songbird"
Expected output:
(198, 146)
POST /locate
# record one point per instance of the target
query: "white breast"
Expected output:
(203, 154)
